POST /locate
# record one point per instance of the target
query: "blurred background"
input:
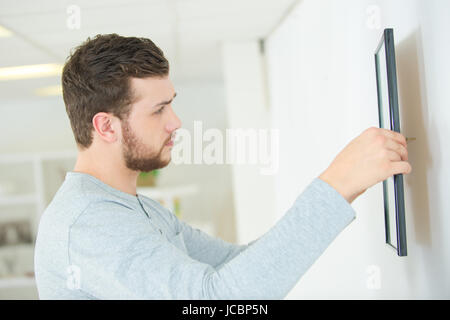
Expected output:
(305, 68)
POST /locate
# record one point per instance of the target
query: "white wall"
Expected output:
(323, 94)
(213, 205)
(246, 103)
(35, 125)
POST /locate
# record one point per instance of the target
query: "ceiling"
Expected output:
(188, 31)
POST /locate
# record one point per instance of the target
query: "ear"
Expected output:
(106, 126)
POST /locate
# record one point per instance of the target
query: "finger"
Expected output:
(393, 156)
(394, 135)
(398, 148)
(400, 167)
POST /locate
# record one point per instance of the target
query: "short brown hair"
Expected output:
(96, 78)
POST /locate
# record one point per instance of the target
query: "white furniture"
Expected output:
(27, 184)
(31, 180)
(168, 196)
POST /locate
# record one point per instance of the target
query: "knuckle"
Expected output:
(405, 151)
(372, 130)
(380, 140)
(403, 138)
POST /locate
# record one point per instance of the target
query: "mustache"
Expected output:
(172, 137)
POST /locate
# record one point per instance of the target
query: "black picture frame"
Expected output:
(388, 116)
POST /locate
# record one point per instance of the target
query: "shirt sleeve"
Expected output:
(199, 245)
(207, 249)
(129, 262)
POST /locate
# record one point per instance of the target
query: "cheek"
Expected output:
(151, 132)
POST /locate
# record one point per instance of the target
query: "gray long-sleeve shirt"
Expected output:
(96, 242)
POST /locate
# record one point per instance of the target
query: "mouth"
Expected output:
(170, 142)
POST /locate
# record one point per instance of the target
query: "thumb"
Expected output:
(400, 167)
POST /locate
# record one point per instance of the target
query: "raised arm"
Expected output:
(128, 262)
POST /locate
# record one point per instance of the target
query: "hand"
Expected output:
(372, 157)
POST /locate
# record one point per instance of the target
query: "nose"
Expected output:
(174, 123)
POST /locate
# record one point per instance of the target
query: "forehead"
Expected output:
(151, 90)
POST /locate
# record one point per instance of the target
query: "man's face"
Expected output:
(150, 125)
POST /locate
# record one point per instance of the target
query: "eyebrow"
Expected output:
(165, 102)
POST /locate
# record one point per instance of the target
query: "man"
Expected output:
(99, 239)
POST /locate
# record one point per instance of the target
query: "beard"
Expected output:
(137, 155)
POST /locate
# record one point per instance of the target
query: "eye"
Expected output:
(160, 110)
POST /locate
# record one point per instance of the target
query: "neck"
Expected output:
(108, 169)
